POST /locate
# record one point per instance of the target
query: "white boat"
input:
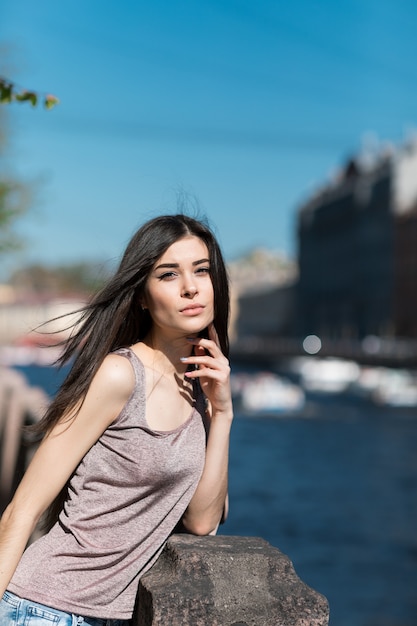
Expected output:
(329, 375)
(267, 392)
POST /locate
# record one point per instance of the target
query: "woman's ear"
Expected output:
(142, 302)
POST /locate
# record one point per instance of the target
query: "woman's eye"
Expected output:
(167, 276)
(203, 270)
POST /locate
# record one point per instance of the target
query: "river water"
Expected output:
(334, 487)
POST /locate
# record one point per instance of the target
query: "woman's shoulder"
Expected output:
(116, 375)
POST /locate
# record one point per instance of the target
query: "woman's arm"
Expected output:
(207, 507)
(57, 457)
(209, 503)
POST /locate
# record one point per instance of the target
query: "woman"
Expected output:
(136, 440)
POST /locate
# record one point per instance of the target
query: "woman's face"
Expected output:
(179, 292)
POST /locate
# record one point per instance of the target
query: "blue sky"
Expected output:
(242, 106)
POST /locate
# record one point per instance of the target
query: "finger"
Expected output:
(204, 365)
(205, 347)
(204, 360)
(199, 351)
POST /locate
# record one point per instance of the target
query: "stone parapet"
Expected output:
(226, 581)
(20, 405)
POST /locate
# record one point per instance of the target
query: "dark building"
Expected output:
(355, 276)
(405, 275)
(268, 313)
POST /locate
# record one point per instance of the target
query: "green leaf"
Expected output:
(6, 92)
(25, 96)
(33, 98)
(50, 101)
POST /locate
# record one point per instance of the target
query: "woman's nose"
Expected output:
(189, 290)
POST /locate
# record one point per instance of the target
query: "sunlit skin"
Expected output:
(179, 296)
(179, 292)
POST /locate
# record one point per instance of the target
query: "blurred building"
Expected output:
(263, 283)
(267, 313)
(34, 321)
(357, 251)
(405, 274)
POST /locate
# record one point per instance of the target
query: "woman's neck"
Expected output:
(165, 355)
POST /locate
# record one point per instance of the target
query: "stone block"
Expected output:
(226, 581)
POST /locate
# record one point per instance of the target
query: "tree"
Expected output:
(15, 195)
(14, 201)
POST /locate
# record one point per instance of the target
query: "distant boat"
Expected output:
(388, 386)
(266, 392)
(382, 385)
(329, 375)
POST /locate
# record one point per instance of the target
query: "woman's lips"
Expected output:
(192, 309)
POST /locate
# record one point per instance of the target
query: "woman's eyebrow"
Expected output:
(165, 265)
(175, 265)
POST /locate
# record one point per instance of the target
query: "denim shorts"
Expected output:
(15, 611)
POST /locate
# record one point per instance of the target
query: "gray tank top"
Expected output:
(125, 498)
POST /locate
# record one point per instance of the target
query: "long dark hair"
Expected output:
(115, 319)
